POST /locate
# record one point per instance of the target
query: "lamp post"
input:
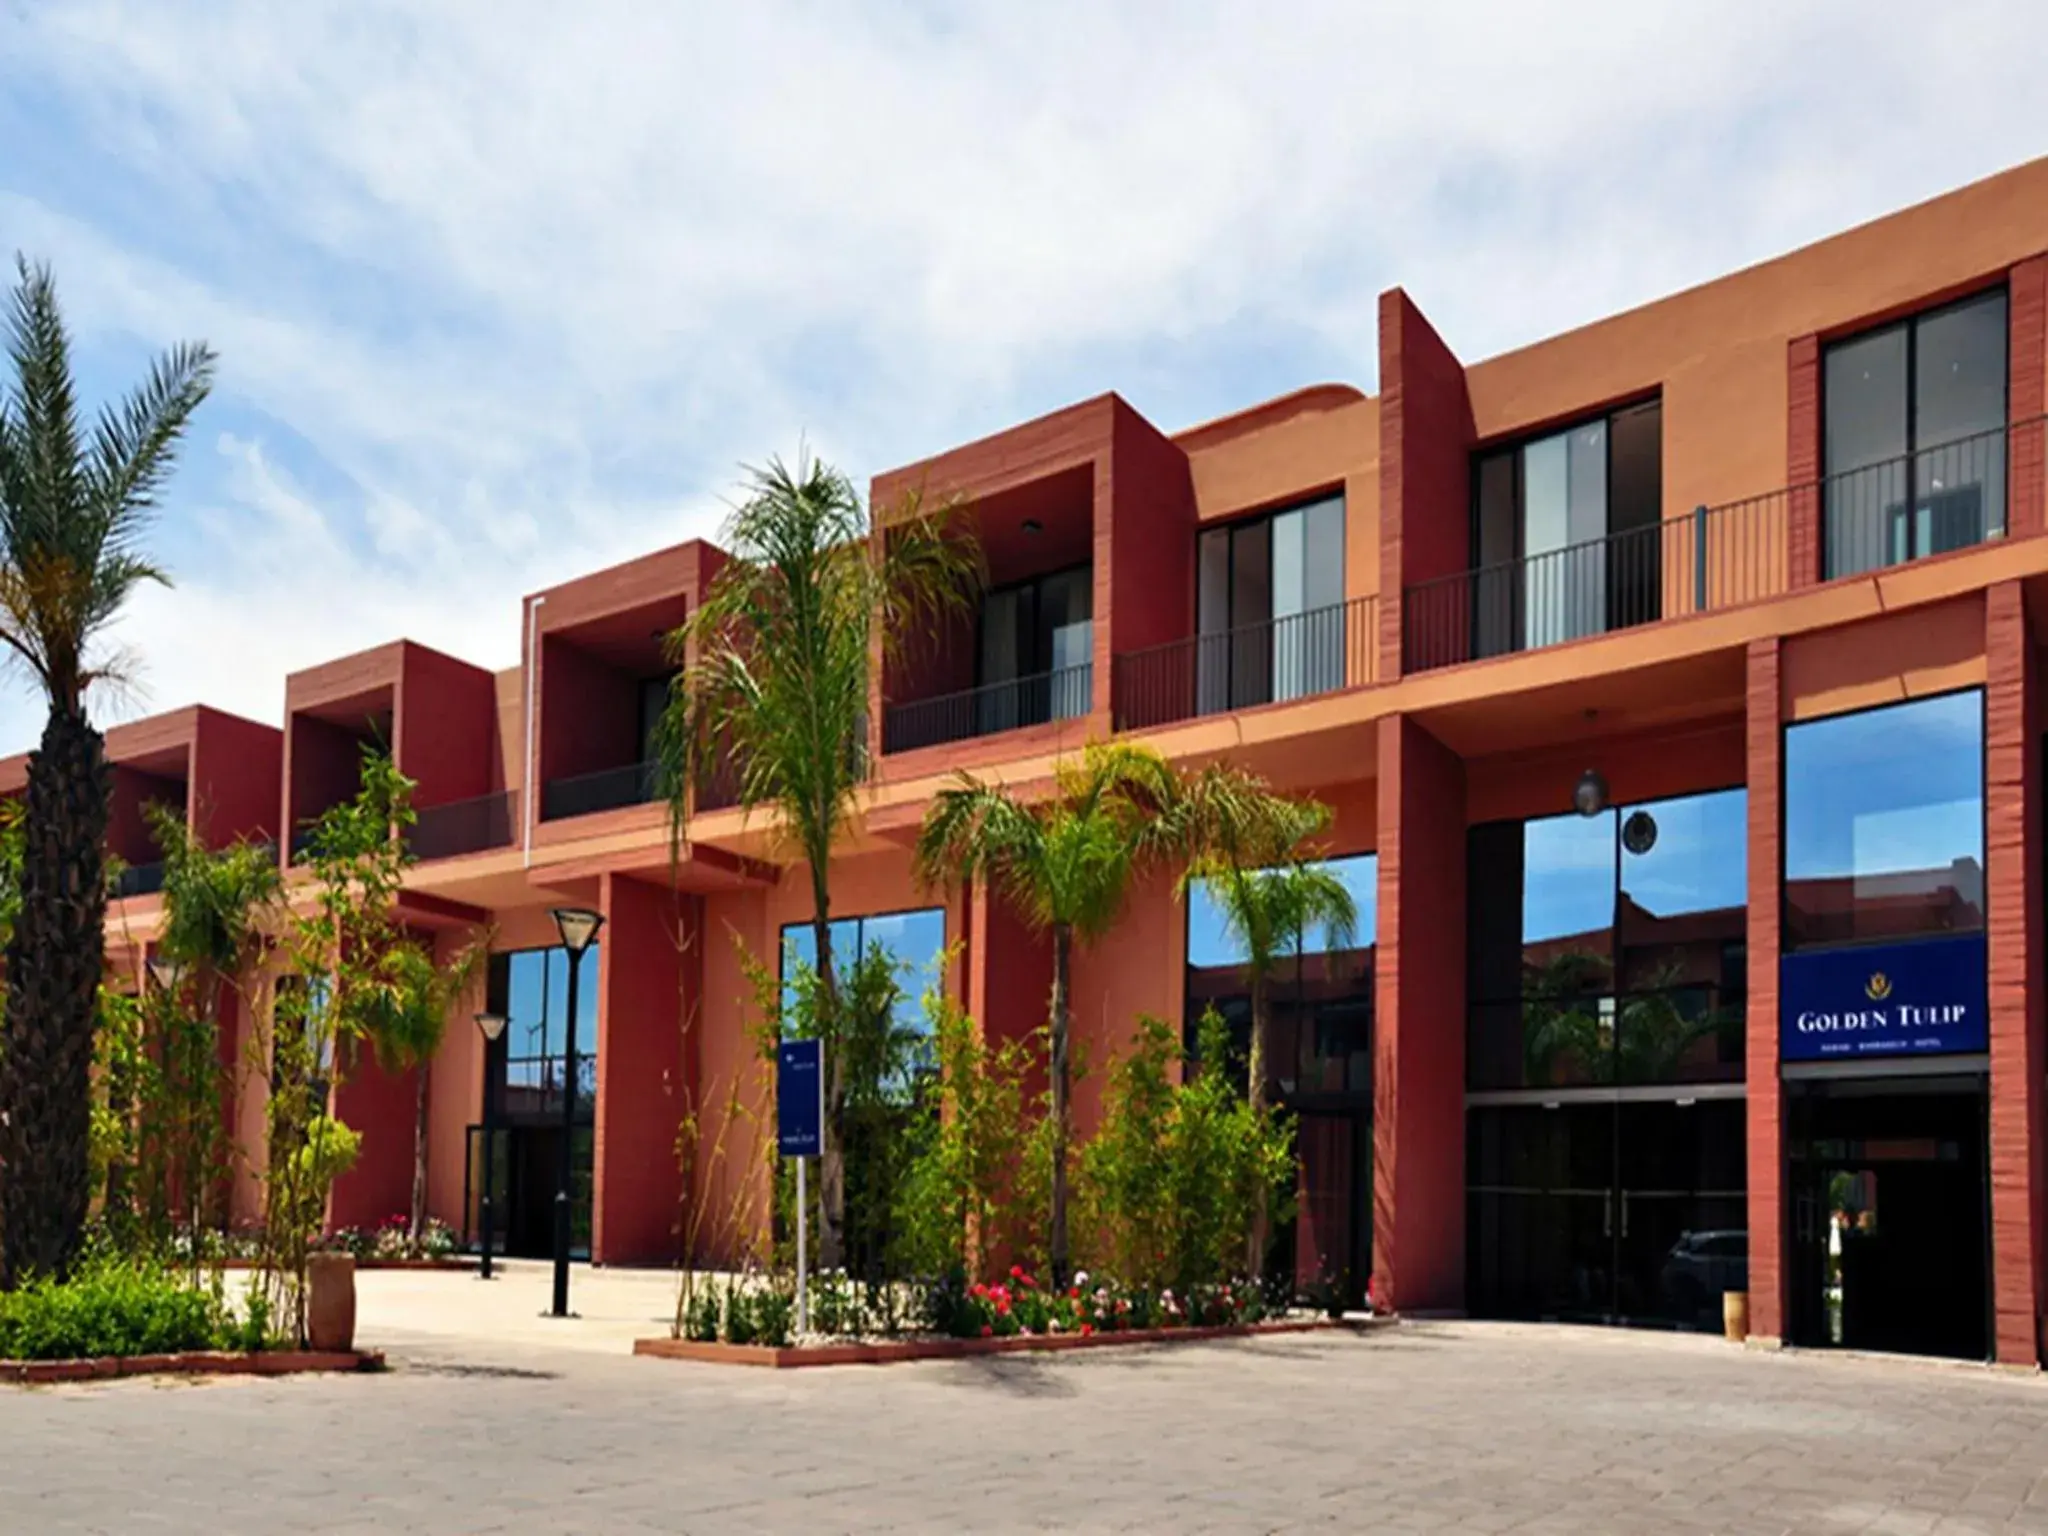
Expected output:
(492, 1025)
(578, 926)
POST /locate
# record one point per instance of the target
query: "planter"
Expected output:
(331, 1302)
(889, 1352)
(1735, 1315)
(283, 1362)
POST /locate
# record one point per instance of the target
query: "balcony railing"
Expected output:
(139, 880)
(1950, 496)
(1066, 694)
(609, 789)
(1325, 650)
(465, 826)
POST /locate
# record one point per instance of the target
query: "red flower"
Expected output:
(1086, 1329)
(1016, 1272)
(986, 1330)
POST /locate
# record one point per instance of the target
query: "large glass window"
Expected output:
(1914, 437)
(1037, 650)
(1884, 822)
(533, 985)
(1609, 949)
(915, 941)
(1270, 607)
(1321, 1038)
(1566, 532)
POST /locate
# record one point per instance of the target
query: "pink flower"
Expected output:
(986, 1330)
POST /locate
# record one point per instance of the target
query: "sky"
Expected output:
(505, 292)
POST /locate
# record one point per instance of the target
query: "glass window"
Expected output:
(1884, 822)
(1271, 591)
(1321, 998)
(1036, 650)
(1556, 505)
(532, 988)
(1609, 948)
(915, 940)
(1913, 437)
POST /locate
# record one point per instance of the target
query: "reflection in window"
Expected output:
(1321, 998)
(1914, 437)
(534, 987)
(1610, 948)
(915, 941)
(1884, 822)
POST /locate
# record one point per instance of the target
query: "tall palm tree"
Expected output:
(1066, 864)
(773, 682)
(73, 509)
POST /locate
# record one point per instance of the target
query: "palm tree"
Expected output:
(1249, 849)
(1066, 864)
(405, 1015)
(773, 683)
(72, 513)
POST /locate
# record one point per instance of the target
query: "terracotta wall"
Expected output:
(1139, 967)
(2019, 1129)
(129, 836)
(325, 764)
(1764, 1105)
(1152, 515)
(237, 771)
(589, 714)
(650, 974)
(380, 1106)
(1419, 1025)
(1911, 654)
(455, 1089)
(443, 736)
(1426, 435)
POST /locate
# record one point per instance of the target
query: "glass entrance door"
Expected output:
(1604, 1211)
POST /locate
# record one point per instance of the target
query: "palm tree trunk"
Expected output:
(53, 972)
(832, 1151)
(1255, 1254)
(416, 1227)
(1062, 946)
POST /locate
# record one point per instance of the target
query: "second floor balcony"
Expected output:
(1064, 693)
(1294, 656)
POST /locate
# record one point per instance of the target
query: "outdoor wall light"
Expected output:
(578, 926)
(492, 1025)
(1589, 798)
(163, 972)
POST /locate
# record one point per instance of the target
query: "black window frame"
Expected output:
(1255, 651)
(1910, 324)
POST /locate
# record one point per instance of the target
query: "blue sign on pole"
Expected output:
(1928, 997)
(800, 1098)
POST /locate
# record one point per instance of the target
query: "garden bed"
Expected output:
(891, 1351)
(281, 1362)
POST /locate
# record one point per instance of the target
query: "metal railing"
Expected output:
(1325, 650)
(1065, 694)
(608, 789)
(465, 826)
(139, 880)
(1949, 496)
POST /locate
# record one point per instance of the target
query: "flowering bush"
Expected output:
(387, 1240)
(1021, 1305)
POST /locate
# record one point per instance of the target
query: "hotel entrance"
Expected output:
(1890, 1231)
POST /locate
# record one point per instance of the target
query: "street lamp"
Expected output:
(578, 926)
(492, 1026)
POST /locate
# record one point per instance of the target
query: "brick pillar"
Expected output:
(2027, 397)
(1803, 462)
(1767, 1279)
(1426, 436)
(649, 980)
(1418, 1243)
(2012, 778)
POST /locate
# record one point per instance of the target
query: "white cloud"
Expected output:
(510, 279)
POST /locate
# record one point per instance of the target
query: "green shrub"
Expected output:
(700, 1317)
(113, 1307)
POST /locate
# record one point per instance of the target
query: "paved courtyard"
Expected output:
(492, 1420)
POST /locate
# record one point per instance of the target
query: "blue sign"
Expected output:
(1930, 997)
(800, 1098)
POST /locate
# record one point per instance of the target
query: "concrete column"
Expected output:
(1764, 727)
(1418, 1247)
(649, 978)
(2012, 785)
(1803, 461)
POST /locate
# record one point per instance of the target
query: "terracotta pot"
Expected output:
(1735, 1315)
(331, 1302)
